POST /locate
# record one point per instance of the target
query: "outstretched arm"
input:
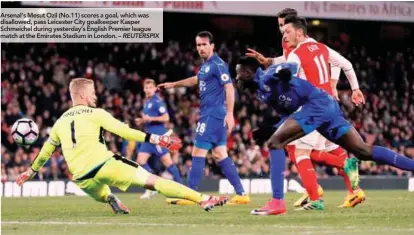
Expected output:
(266, 62)
(47, 149)
(191, 81)
(111, 124)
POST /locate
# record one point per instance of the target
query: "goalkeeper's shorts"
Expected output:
(116, 172)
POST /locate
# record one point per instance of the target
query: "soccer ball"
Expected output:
(25, 131)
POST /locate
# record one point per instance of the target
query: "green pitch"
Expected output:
(384, 212)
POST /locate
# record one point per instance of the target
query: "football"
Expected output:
(25, 131)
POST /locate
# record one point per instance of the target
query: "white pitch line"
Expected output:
(91, 223)
(327, 229)
(145, 224)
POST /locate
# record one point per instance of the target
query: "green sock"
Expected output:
(173, 189)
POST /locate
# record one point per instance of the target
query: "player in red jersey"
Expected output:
(313, 145)
(314, 60)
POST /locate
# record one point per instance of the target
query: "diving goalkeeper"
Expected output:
(79, 132)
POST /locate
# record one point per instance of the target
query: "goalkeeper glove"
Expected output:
(25, 176)
(172, 143)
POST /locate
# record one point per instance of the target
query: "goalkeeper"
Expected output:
(79, 132)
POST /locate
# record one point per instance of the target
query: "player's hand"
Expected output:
(25, 176)
(138, 121)
(229, 122)
(254, 54)
(358, 97)
(335, 94)
(146, 118)
(167, 85)
(172, 143)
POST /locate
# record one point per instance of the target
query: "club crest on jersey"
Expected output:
(149, 105)
(207, 69)
(162, 109)
(225, 77)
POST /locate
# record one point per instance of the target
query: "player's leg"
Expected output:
(352, 142)
(230, 172)
(167, 162)
(123, 173)
(287, 130)
(144, 154)
(353, 197)
(202, 145)
(102, 193)
(300, 156)
(331, 153)
(219, 141)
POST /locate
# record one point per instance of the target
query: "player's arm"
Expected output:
(230, 94)
(335, 73)
(191, 81)
(279, 60)
(47, 149)
(163, 118)
(294, 59)
(223, 75)
(265, 61)
(111, 124)
(163, 114)
(337, 60)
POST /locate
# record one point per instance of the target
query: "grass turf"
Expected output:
(384, 212)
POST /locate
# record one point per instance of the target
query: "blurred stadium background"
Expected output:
(34, 78)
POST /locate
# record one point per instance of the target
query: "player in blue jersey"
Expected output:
(154, 119)
(303, 109)
(216, 117)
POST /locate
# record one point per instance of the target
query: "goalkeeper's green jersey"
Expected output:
(79, 132)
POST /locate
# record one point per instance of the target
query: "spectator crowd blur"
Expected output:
(35, 80)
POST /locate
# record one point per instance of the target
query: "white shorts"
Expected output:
(314, 140)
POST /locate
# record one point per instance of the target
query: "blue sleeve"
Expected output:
(161, 108)
(222, 73)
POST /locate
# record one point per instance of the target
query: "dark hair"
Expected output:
(287, 11)
(284, 75)
(250, 62)
(206, 34)
(297, 22)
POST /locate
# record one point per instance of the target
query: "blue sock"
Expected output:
(229, 170)
(175, 173)
(386, 156)
(196, 172)
(148, 168)
(277, 170)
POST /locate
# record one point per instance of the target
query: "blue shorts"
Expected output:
(326, 117)
(153, 150)
(210, 133)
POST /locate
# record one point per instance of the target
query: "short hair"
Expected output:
(250, 62)
(297, 23)
(149, 81)
(287, 11)
(206, 34)
(77, 84)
